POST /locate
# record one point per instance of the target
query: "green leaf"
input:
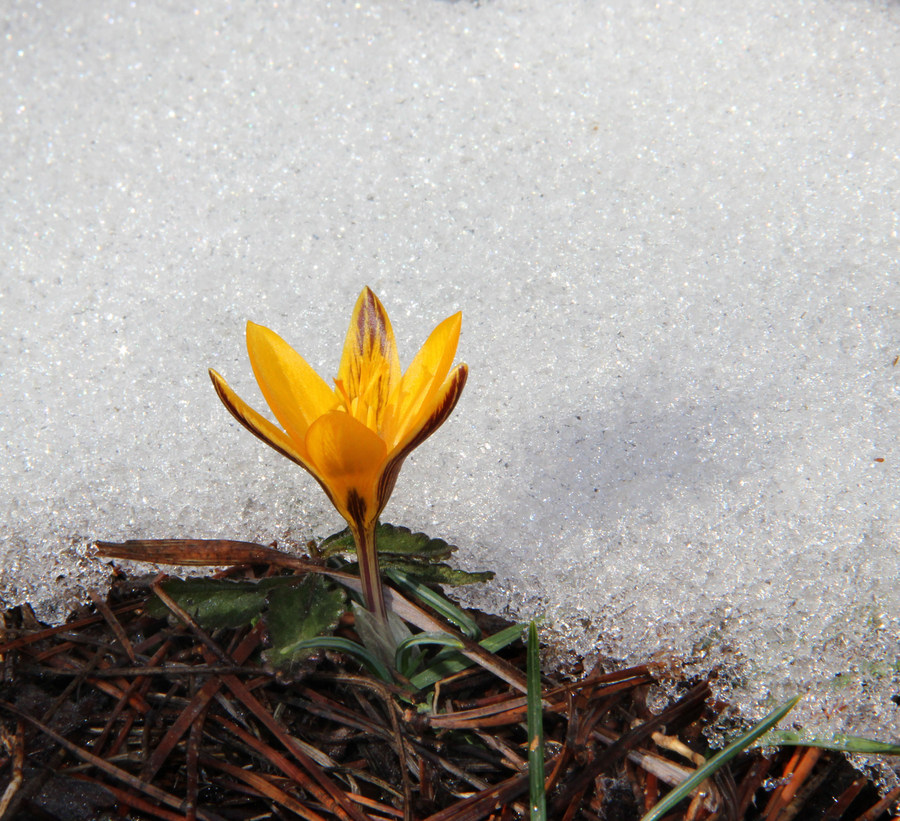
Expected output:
(449, 662)
(351, 648)
(406, 663)
(535, 711)
(686, 787)
(416, 554)
(218, 603)
(427, 573)
(336, 543)
(435, 600)
(392, 540)
(299, 614)
(840, 742)
(438, 573)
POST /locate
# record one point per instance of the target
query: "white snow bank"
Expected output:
(673, 235)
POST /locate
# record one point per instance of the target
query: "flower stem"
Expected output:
(369, 574)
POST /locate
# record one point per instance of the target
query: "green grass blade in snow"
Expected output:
(839, 742)
(719, 760)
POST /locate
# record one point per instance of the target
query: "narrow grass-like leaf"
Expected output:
(448, 663)
(537, 799)
(687, 786)
(345, 646)
(839, 742)
(404, 661)
(435, 601)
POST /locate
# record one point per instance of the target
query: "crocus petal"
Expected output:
(255, 422)
(349, 457)
(423, 378)
(296, 394)
(428, 422)
(370, 367)
(432, 416)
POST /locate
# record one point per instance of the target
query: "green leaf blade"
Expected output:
(404, 660)
(435, 600)
(687, 786)
(448, 663)
(392, 540)
(214, 603)
(298, 615)
(838, 742)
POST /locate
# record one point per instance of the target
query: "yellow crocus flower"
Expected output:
(354, 437)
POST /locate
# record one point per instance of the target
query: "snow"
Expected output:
(673, 234)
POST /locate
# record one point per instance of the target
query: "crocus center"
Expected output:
(357, 406)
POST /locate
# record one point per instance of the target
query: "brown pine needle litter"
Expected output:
(120, 714)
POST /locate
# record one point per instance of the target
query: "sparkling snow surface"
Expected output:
(673, 234)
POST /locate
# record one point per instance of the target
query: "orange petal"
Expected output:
(296, 394)
(261, 427)
(370, 367)
(429, 420)
(349, 457)
(255, 422)
(423, 378)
